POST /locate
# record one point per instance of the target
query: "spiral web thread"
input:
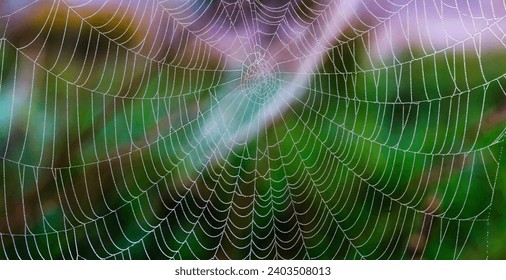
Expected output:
(247, 129)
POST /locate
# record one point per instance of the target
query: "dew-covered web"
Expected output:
(250, 129)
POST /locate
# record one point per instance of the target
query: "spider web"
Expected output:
(311, 129)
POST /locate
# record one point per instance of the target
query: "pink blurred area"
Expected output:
(436, 25)
(236, 28)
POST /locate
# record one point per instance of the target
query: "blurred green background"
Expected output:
(109, 152)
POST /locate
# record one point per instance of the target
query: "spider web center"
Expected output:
(259, 78)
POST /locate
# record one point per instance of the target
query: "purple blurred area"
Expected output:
(291, 31)
(440, 24)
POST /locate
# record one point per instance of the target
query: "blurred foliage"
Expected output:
(378, 155)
